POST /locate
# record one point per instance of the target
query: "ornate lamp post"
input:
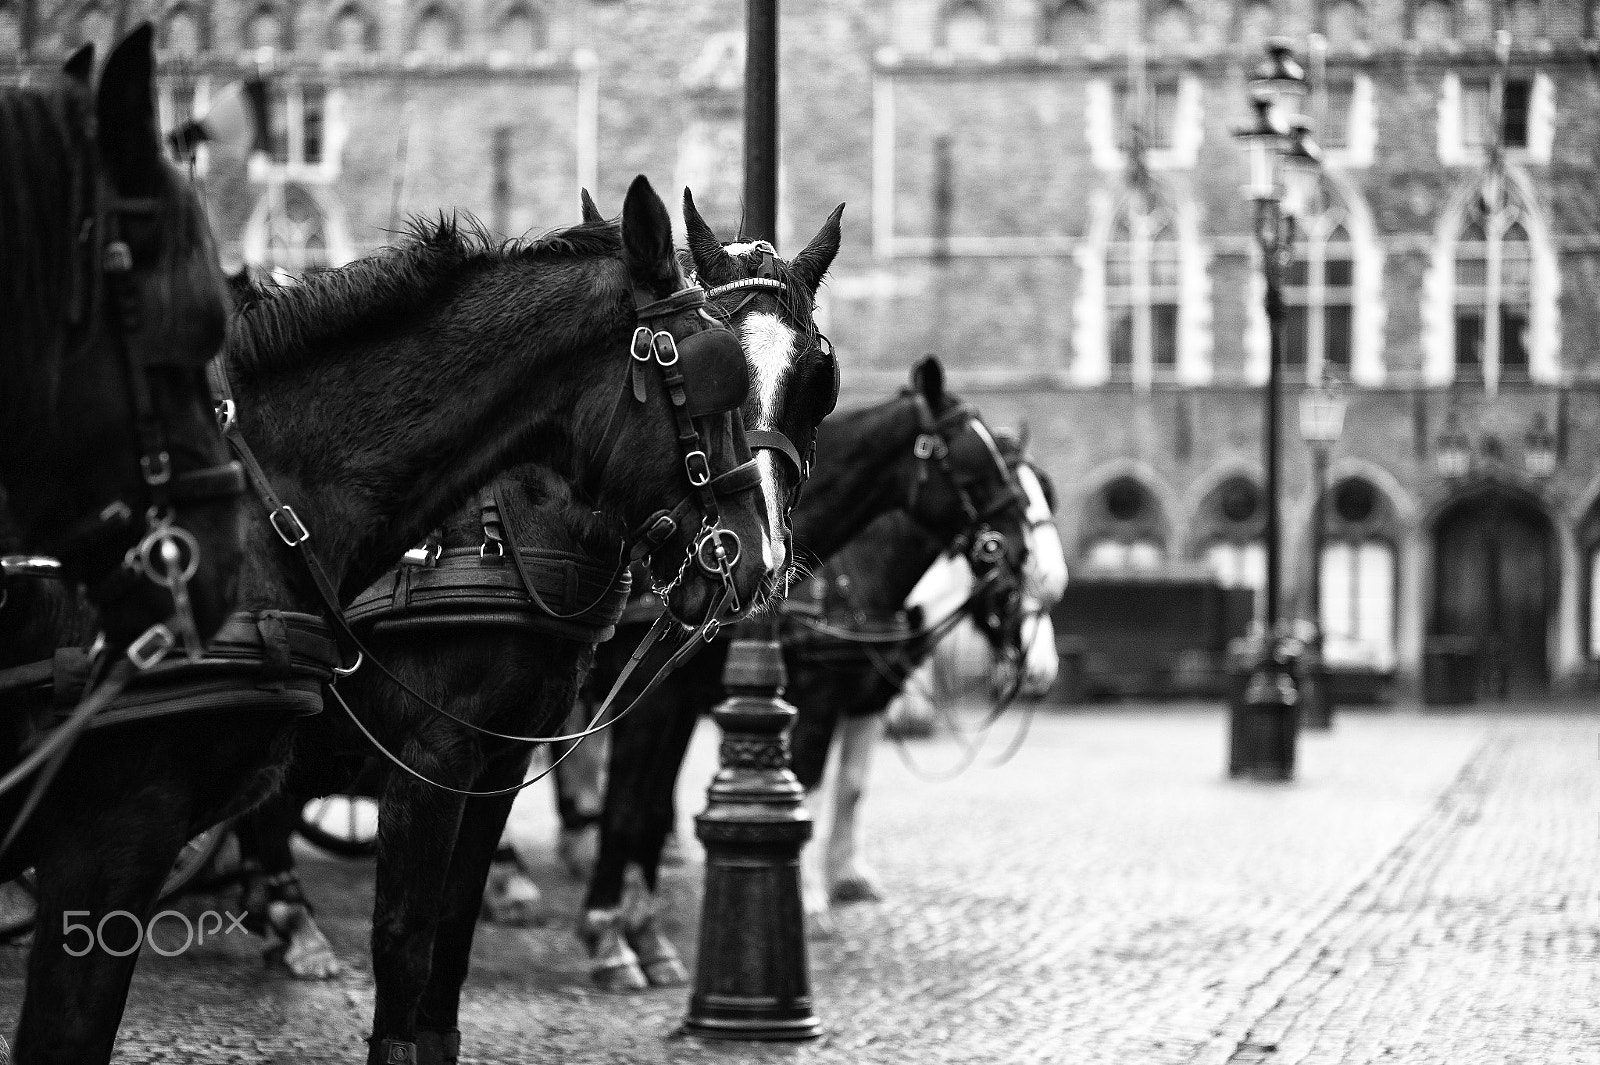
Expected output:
(1322, 412)
(1264, 724)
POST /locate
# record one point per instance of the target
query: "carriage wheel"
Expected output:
(17, 897)
(346, 825)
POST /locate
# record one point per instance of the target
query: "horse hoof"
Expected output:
(658, 958)
(855, 889)
(300, 948)
(438, 1046)
(511, 898)
(672, 856)
(619, 978)
(819, 925)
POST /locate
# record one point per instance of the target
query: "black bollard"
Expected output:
(752, 977)
(1264, 713)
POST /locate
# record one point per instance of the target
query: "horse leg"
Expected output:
(483, 823)
(849, 878)
(580, 793)
(276, 903)
(93, 865)
(647, 751)
(417, 826)
(817, 696)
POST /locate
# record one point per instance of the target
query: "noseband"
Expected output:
(162, 552)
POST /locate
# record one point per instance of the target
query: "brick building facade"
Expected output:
(983, 147)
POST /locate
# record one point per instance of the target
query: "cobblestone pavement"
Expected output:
(1425, 892)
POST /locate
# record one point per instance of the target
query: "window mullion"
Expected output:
(1142, 370)
(1491, 294)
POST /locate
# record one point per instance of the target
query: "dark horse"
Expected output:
(378, 398)
(111, 301)
(516, 673)
(838, 678)
(922, 451)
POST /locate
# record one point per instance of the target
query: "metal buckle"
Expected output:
(698, 466)
(150, 648)
(640, 348)
(227, 414)
(664, 345)
(499, 549)
(295, 533)
(927, 446)
(157, 468)
(426, 555)
(660, 529)
(345, 671)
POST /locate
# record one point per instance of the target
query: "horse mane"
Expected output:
(385, 294)
(42, 158)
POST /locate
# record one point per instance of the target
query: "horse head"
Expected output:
(794, 376)
(112, 303)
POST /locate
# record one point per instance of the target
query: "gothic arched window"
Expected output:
(435, 32)
(263, 29)
(522, 31)
(1319, 290)
(180, 31)
(1493, 294)
(353, 31)
(1142, 292)
(967, 27)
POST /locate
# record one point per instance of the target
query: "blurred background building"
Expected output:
(1099, 287)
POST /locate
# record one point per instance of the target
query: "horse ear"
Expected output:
(591, 213)
(647, 235)
(80, 66)
(811, 265)
(711, 262)
(927, 377)
(126, 108)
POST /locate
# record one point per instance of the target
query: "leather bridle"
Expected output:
(767, 278)
(130, 541)
(714, 548)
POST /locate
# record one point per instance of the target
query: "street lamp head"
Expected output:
(1279, 76)
(1322, 410)
(1302, 168)
(1263, 141)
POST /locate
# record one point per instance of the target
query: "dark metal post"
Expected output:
(752, 977)
(1316, 699)
(1264, 720)
(761, 121)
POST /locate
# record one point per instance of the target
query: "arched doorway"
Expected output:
(1495, 583)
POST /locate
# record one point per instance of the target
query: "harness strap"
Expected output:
(491, 502)
(773, 440)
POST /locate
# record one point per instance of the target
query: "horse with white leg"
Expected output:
(849, 670)
(922, 451)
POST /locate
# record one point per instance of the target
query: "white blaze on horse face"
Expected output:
(1045, 572)
(946, 585)
(769, 347)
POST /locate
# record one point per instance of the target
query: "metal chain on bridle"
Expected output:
(706, 389)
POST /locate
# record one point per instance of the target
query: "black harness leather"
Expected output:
(274, 660)
(498, 585)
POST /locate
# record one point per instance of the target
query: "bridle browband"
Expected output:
(117, 548)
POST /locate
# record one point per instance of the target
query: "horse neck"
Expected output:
(860, 474)
(886, 561)
(376, 444)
